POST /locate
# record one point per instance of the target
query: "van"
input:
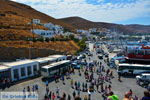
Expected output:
(143, 77)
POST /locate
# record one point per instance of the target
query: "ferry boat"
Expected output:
(139, 52)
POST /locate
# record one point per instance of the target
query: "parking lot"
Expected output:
(119, 88)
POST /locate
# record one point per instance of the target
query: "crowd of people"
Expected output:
(97, 79)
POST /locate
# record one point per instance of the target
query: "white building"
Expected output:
(49, 25)
(36, 21)
(91, 47)
(93, 30)
(44, 33)
(68, 33)
(82, 31)
(23, 69)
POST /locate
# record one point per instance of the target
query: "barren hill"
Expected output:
(16, 16)
(81, 23)
(15, 25)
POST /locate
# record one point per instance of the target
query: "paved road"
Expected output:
(119, 88)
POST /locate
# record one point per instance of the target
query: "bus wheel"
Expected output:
(125, 74)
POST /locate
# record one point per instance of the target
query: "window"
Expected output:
(136, 51)
(147, 52)
(29, 70)
(141, 52)
(23, 72)
(44, 70)
(34, 68)
(16, 74)
(131, 51)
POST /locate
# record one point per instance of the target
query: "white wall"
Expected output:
(23, 66)
(44, 33)
(36, 21)
(49, 26)
(91, 47)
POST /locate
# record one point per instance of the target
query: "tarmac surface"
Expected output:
(119, 88)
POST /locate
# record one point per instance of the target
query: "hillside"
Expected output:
(81, 23)
(69, 47)
(16, 16)
(15, 19)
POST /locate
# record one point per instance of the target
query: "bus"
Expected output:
(132, 69)
(55, 69)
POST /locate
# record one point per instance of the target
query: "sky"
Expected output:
(111, 11)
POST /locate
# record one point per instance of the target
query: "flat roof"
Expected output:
(21, 62)
(56, 56)
(44, 59)
(3, 68)
(146, 74)
(55, 64)
(140, 65)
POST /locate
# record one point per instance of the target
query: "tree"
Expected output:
(47, 39)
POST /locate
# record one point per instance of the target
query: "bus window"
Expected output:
(147, 52)
(131, 51)
(141, 52)
(44, 70)
(136, 51)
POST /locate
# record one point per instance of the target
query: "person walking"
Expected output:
(57, 91)
(64, 96)
(112, 96)
(36, 87)
(69, 97)
(47, 90)
(50, 95)
(146, 95)
(119, 77)
(83, 86)
(97, 86)
(130, 93)
(53, 96)
(75, 85)
(28, 88)
(127, 97)
(74, 94)
(109, 88)
(71, 82)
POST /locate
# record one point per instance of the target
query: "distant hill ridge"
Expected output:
(81, 23)
(15, 16)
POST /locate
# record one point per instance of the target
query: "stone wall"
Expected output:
(11, 53)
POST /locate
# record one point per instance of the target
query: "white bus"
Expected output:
(57, 68)
(134, 69)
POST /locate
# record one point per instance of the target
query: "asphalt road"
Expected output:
(119, 88)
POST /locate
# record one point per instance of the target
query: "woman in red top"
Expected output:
(53, 96)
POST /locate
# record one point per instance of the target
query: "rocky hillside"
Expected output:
(14, 19)
(81, 23)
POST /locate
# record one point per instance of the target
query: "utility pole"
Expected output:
(30, 44)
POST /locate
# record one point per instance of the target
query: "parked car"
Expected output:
(100, 56)
(106, 55)
(143, 77)
(83, 63)
(75, 65)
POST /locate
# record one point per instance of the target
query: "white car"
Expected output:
(143, 77)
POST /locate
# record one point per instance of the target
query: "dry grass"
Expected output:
(63, 46)
(13, 34)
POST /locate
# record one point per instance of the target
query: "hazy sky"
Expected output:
(113, 11)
